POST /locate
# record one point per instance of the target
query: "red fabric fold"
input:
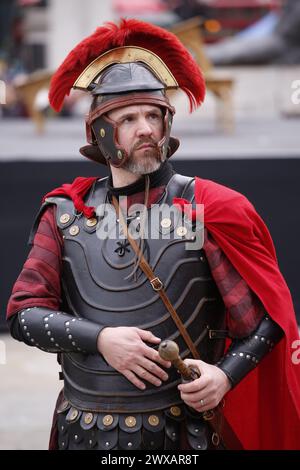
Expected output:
(264, 409)
(76, 191)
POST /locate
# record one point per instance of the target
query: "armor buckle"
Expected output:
(156, 284)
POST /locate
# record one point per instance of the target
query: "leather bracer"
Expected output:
(54, 331)
(245, 354)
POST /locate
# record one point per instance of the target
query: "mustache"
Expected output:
(144, 141)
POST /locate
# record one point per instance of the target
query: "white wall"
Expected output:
(70, 21)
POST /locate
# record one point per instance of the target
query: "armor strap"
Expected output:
(156, 283)
(215, 418)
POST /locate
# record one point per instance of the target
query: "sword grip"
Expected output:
(169, 351)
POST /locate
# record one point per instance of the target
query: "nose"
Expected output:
(144, 128)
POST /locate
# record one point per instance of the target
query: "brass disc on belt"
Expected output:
(88, 418)
(73, 415)
(91, 222)
(64, 219)
(153, 420)
(74, 230)
(107, 420)
(175, 411)
(130, 421)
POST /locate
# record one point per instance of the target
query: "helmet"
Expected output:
(134, 63)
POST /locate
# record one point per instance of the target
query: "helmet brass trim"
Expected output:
(121, 55)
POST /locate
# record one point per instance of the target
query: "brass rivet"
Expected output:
(166, 223)
(91, 222)
(107, 420)
(130, 421)
(88, 418)
(64, 219)
(175, 411)
(102, 132)
(181, 231)
(119, 155)
(74, 230)
(73, 415)
(153, 420)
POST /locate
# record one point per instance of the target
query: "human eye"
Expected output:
(154, 116)
(127, 120)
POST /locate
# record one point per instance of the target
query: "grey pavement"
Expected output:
(29, 387)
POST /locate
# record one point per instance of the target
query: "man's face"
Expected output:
(140, 128)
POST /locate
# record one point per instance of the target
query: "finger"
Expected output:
(153, 355)
(199, 408)
(133, 379)
(145, 375)
(146, 335)
(153, 369)
(193, 398)
(194, 386)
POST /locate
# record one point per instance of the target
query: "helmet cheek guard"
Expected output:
(105, 134)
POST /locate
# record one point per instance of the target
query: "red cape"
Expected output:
(264, 409)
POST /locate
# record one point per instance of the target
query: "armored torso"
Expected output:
(95, 287)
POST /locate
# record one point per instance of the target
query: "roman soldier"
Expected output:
(103, 296)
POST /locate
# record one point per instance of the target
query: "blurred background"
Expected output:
(246, 136)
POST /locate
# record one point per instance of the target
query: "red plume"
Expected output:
(131, 32)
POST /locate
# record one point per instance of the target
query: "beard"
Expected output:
(143, 161)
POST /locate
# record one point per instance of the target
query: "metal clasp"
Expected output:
(156, 284)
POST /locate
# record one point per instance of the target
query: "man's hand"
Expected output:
(205, 393)
(125, 350)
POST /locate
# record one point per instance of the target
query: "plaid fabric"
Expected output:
(243, 308)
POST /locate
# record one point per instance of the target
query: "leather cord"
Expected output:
(156, 283)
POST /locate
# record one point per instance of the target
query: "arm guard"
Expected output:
(54, 331)
(245, 354)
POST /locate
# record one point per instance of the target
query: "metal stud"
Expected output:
(166, 222)
(175, 411)
(119, 155)
(130, 421)
(91, 222)
(102, 132)
(107, 420)
(181, 231)
(153, 420)
(88, 418)
(74, 230)
(65, 218)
